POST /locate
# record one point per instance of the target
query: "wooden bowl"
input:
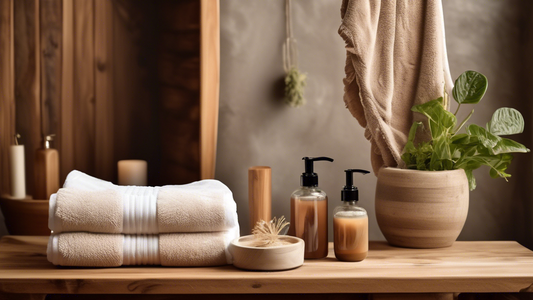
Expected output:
(267, 258)
(25, 216)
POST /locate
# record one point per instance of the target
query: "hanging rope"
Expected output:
(294, 80)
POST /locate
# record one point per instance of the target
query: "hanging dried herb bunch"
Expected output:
(294, 88)
(266, 234)
(294, 80)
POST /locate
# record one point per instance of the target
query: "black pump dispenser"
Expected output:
(310, 178)
(350, 192)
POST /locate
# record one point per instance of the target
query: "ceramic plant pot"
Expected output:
(421, 209)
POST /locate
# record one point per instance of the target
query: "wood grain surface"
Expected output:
(259, 194)
(7, 96)
(25, 216)
(209, 85)
(178, 83)
(27, 83)
(65, 142)
(464, 267)
(84, 93)
(103, 50)
(51, 22)
(117, 79)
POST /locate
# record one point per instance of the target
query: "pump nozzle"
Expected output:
(47, 139)
(350, 192)
(310, 178)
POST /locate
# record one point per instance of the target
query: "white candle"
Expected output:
(132, 172)
(18, 176)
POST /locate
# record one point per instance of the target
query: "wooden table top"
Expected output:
(464, 267)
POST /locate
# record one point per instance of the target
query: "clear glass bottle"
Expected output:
(309, 220)
(350, 224)
(309, 212)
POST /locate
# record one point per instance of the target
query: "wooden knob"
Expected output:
(259, 194)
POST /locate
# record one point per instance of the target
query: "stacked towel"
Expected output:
(396, 57)
(96, 223)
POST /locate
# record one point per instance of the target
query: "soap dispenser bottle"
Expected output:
(309, 212)
(350, 223)
(46, 170)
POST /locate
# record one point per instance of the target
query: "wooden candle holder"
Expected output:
(25, 216)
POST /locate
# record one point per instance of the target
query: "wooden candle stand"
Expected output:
(25, 216)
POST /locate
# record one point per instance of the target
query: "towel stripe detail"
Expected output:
(140, 209)
(141, 250)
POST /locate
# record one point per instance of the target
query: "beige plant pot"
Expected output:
(421, 209)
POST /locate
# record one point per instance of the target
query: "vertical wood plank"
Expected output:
(104, 158)
(209, 85)
(179, 90)
(7, 94)
(84, 96)
(66, 130)
(134, 98)
(27, 80)
(51, 44)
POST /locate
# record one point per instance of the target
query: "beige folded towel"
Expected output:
(84, 249)
(396, 57)
(93, 205)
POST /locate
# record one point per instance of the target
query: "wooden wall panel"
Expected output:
(116, 79)
(7, 93)
(179, 86)
(135, 96)
(210, 80)
(84, 86)
(66, 131)
(105, 164)
(27, 80)
(51, 43)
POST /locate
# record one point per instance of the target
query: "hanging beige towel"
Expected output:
(396, 57)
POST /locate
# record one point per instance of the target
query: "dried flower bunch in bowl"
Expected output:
(266, 249)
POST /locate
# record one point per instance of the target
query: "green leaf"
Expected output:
(499, 167)
(506, 121)
(469, 162)
(439, 119)
(441, 152)
(413, 130)
(462, 138)
(497, 163)
(409, 150)
(470, 87)
(471, 179)
(509, 146)
(486, 138)
(448, 150)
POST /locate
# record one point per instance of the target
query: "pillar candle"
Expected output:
(18, 176)
(132, 172)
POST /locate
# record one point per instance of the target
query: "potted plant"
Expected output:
(425, 205)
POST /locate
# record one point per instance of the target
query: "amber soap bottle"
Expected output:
(46, 170)
(350, 223)
(309, 212)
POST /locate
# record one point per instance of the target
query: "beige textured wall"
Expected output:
(256, 128)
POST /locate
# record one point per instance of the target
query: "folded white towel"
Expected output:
(84, 249)
(93, 205)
